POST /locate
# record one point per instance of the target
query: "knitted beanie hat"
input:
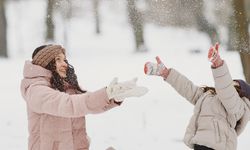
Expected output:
(245, 88)
(44, 56)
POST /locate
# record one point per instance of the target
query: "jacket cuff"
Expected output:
(98, 99)
(171, 76)
(222, 77)
(220, 71)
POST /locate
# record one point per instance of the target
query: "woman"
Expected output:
(220, 113)
(56, 105)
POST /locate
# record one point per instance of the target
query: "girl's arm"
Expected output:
(178, 81)
(184, 86)
(224, 84)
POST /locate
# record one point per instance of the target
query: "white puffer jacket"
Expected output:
(217, 119)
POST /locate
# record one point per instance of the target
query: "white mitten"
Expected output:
(213, 53)
(158, 68)
(153, 68)
(214, 56)
(122, 90)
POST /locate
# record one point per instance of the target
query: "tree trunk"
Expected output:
(49, 21)
(242, 36)
(231, 44)
(97, 16)
(245, 60)
(68, 14)
(3, 30)
(203, 24)
(209, 29)
(136, 22)
(247, 5)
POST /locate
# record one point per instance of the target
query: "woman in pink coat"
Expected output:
(56, 105)
(220, 113)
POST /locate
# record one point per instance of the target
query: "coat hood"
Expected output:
(34, 73)
(31, 71)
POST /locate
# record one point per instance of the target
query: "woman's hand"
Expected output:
(121, 90)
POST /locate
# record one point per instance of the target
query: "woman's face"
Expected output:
(61, 65)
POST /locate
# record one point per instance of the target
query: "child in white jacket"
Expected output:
(220, 113)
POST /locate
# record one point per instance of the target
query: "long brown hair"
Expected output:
(213, 91)
(56, 81)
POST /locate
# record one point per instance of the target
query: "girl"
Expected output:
(220, 113)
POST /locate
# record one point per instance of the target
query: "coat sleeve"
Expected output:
(43, 99)
(226, 92)
(184, 86)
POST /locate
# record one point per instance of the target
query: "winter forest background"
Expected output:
(114, 38)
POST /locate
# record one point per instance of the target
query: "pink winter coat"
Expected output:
(56, 119)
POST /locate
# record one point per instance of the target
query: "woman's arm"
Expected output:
(43, 99)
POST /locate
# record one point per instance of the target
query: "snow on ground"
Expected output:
(155, 121)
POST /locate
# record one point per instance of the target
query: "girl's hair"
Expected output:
(213, 91)
(56, 81)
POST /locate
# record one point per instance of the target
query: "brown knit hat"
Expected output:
(47, 54)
